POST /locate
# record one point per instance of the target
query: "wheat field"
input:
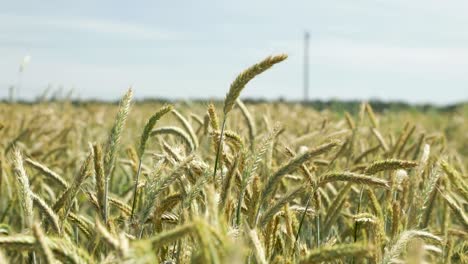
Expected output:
(229, 182)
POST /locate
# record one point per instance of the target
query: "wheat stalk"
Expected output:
(227, 183)
(44, 249)
(249, 121)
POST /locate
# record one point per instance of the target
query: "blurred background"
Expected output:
(412, 51)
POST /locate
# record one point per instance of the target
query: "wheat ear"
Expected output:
(47, 172)
(65, 201)
(116, 131)
(234, 91)
(247, 75)
(52, 218)
(458, 184)
(456, 209)
(293, 165)
(100, 181)
(390, 164)
(258, 248)
(23, 187)
(330, 253)
(141, 149)
(398, 247)
(352, 177)
(168, 236)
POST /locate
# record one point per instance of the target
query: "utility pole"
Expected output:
(306, 66)
(11, 96)
(22, 66)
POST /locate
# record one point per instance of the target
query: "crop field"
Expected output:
(229, 182)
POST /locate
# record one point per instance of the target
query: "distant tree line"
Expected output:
(351, 106)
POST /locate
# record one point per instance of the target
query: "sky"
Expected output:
(415, 51)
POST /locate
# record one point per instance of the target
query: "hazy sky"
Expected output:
(415, 50)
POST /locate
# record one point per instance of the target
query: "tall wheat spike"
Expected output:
(100, 181)
(237, 86)
(150, 125)
(247, 75)
(116, 131)
(141, 149)
(23, 188)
